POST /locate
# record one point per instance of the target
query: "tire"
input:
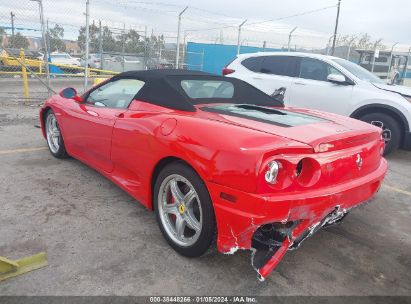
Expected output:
(391, 129)
(54, 137)
(197, 212)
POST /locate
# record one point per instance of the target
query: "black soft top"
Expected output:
(163, 87)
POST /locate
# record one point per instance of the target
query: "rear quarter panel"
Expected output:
(218, 152)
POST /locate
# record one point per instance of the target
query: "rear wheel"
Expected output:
(184, 210)
(54, 137)
(391, 129)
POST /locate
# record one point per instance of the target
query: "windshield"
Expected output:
(358, 71)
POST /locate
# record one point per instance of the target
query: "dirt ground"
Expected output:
(100, 241)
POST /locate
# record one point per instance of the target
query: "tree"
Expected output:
(156, 42)
(131, 41)
(108, 41)
(55, 38)
(19, 41)
(155, 45)
(363, 42)
(346, 40)
(2, 32)
(93, 38)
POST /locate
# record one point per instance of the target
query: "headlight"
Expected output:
(272, 172)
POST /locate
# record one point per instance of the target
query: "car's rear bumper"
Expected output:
(239, 214)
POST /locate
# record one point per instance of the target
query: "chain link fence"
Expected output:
(43, 48)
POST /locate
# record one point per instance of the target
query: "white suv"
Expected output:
(330, 84)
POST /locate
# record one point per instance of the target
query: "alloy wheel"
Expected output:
(52, 133)
(180, 210)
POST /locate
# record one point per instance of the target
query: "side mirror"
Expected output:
(70, 93)
(338, 79)
(279, 94)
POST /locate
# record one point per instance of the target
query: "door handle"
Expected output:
(299, 83)
(257, 78)
(92, 113)
(119, 115)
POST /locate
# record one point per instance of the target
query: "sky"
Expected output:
(217, 20)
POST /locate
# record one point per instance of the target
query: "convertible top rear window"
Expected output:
(196, 89)
(272, 116)
(181, 90)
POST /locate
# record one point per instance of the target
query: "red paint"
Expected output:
(168, 126)
(267, 268)
(231, 155)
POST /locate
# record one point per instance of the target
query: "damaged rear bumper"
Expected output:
(269, 225)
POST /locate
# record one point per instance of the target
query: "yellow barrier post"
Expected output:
(99, 80)
(24, 74)
(12, 268)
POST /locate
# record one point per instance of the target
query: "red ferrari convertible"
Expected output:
(217, 159)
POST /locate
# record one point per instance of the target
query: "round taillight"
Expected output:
(272, 172)
(307, 172)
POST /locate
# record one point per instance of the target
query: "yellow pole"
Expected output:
(24, 74)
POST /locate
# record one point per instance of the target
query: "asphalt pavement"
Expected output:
(100, 241)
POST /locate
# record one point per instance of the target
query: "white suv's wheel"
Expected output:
(391, 130)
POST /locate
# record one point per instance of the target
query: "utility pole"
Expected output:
(239, 36)
(12, 27)
(46, 52)
(289, 37)
(87, 44)
(336, 27)
(178, 37)
(100, 44)
(184, 47)
(329, 45)
(145, 48)
(48, 36)
(123, 48)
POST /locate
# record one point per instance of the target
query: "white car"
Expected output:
(64, 58)
(330, 84)
(94, 60)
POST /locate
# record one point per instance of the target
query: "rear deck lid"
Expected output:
(306, 126)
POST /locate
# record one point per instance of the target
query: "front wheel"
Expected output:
(391, 130)
(54, 137)
(184, 210)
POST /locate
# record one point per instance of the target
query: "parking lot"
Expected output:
(100, 241)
